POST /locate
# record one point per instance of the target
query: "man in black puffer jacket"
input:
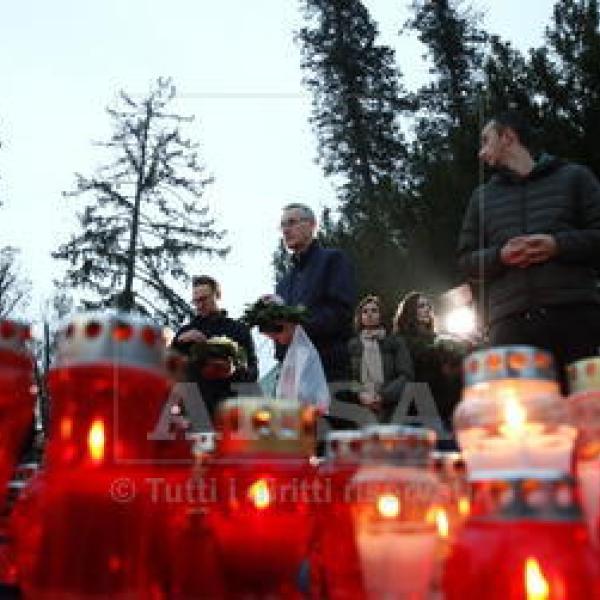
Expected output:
(532, 235)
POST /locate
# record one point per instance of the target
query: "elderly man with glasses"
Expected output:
(322, 280)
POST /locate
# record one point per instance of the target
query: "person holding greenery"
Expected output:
(437, 359)
(301, 376)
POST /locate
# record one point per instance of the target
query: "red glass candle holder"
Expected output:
(334, 532)
(525, 539)
(95, 508)
(383, 523)
(257, 525)
(584, 408)
(17, 396)
(512, 414)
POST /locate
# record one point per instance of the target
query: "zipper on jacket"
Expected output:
(524, 231)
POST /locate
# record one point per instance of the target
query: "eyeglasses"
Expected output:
(292, 222)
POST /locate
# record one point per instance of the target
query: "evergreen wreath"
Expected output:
(269, 311)
(218, 347)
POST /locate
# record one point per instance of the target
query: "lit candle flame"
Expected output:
(536, 586)
(260, 494)
(464, 506)
(388, 506)
(262, 418)
(441, 520)
(96, 440)
(515, 416)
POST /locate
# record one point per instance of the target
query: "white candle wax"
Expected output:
(395, 563)
(534, 447)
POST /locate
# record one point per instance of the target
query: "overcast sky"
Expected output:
(236, 67)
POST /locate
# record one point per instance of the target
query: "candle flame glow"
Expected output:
(464, 506)
(260, 494)
(536, 586)
(515, 416)
(96, 440)
(388, 506)
(262, 418)
(441, 520)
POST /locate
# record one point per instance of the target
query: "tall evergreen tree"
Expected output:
(566, 76)
(508, 81)
(356, 93)
(358, 99)
(145, 216)
(443, 156)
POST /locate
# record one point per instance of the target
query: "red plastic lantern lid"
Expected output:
(259, 425)
(523, 494)
(398, 443)
(344, 446)
(584, 375)
(508, 362)
(110, 337)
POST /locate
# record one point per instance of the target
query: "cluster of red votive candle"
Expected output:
(119, 511)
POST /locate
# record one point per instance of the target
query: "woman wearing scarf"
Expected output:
(380, 362)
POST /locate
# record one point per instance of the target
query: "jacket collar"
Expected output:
(299, 259)
(544, 164)
(215, 316)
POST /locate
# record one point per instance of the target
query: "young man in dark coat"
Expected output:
(210, 322)
(322, 280)
(532, 235)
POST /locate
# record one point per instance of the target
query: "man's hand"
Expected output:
(540, 247)
(513, 253)
(193, 335)
(525, 250)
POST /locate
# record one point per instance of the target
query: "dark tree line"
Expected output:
(406, 161)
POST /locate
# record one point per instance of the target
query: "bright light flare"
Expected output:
(461, 321)
(536, 586)
(388, 506)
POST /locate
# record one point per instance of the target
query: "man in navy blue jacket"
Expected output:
(322, 280)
